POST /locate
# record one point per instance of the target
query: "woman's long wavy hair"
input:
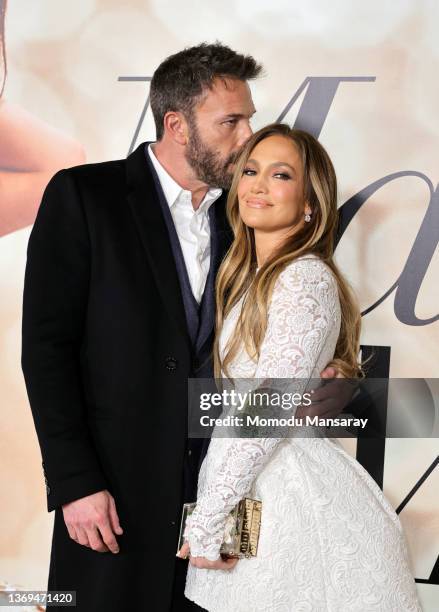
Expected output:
(237, 272)
(2, 46)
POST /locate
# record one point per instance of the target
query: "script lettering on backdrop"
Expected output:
(314, 109)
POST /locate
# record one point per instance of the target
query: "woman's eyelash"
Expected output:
(283, 175)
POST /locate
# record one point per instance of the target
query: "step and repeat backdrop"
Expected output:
(361, 76)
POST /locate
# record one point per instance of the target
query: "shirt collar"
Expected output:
(173, 192)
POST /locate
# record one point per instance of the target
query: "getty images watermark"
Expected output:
(236, 411)
(376, 407)
(266, 409)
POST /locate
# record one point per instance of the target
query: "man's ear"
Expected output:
(176, 127)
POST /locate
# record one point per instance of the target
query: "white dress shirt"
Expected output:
(192, 226)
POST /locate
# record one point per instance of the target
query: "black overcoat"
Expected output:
(106, 357)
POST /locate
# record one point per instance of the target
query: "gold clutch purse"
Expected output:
(241, 533)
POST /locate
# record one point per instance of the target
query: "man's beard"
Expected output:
(207, 164)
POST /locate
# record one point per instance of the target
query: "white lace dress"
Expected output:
(329, 540)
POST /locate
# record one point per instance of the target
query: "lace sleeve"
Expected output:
(301, 313)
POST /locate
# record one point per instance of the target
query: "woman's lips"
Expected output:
(256, 203)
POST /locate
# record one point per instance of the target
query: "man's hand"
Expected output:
(330, 399)
(202, 562)
(92, 521)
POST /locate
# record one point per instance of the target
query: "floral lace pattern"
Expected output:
(329, 539)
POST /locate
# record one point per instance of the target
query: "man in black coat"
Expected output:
(118, 313)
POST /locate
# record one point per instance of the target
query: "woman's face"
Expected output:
(270, 191)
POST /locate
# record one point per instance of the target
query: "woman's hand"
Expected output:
(203, 563)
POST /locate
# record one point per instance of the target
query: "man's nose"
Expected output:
(245, 134)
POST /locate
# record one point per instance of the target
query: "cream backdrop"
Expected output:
(64, 60)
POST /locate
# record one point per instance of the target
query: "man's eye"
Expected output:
(249, 172)
(230, 122)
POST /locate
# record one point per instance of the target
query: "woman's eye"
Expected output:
(282, 176)
(249, 172)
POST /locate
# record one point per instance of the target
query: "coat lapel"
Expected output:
(144, 202)
(220, 240)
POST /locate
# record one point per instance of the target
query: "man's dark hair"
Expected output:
(181, 79)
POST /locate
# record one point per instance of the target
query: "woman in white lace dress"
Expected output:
(329, 540)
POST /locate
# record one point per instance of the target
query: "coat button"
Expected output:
(171, 363)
